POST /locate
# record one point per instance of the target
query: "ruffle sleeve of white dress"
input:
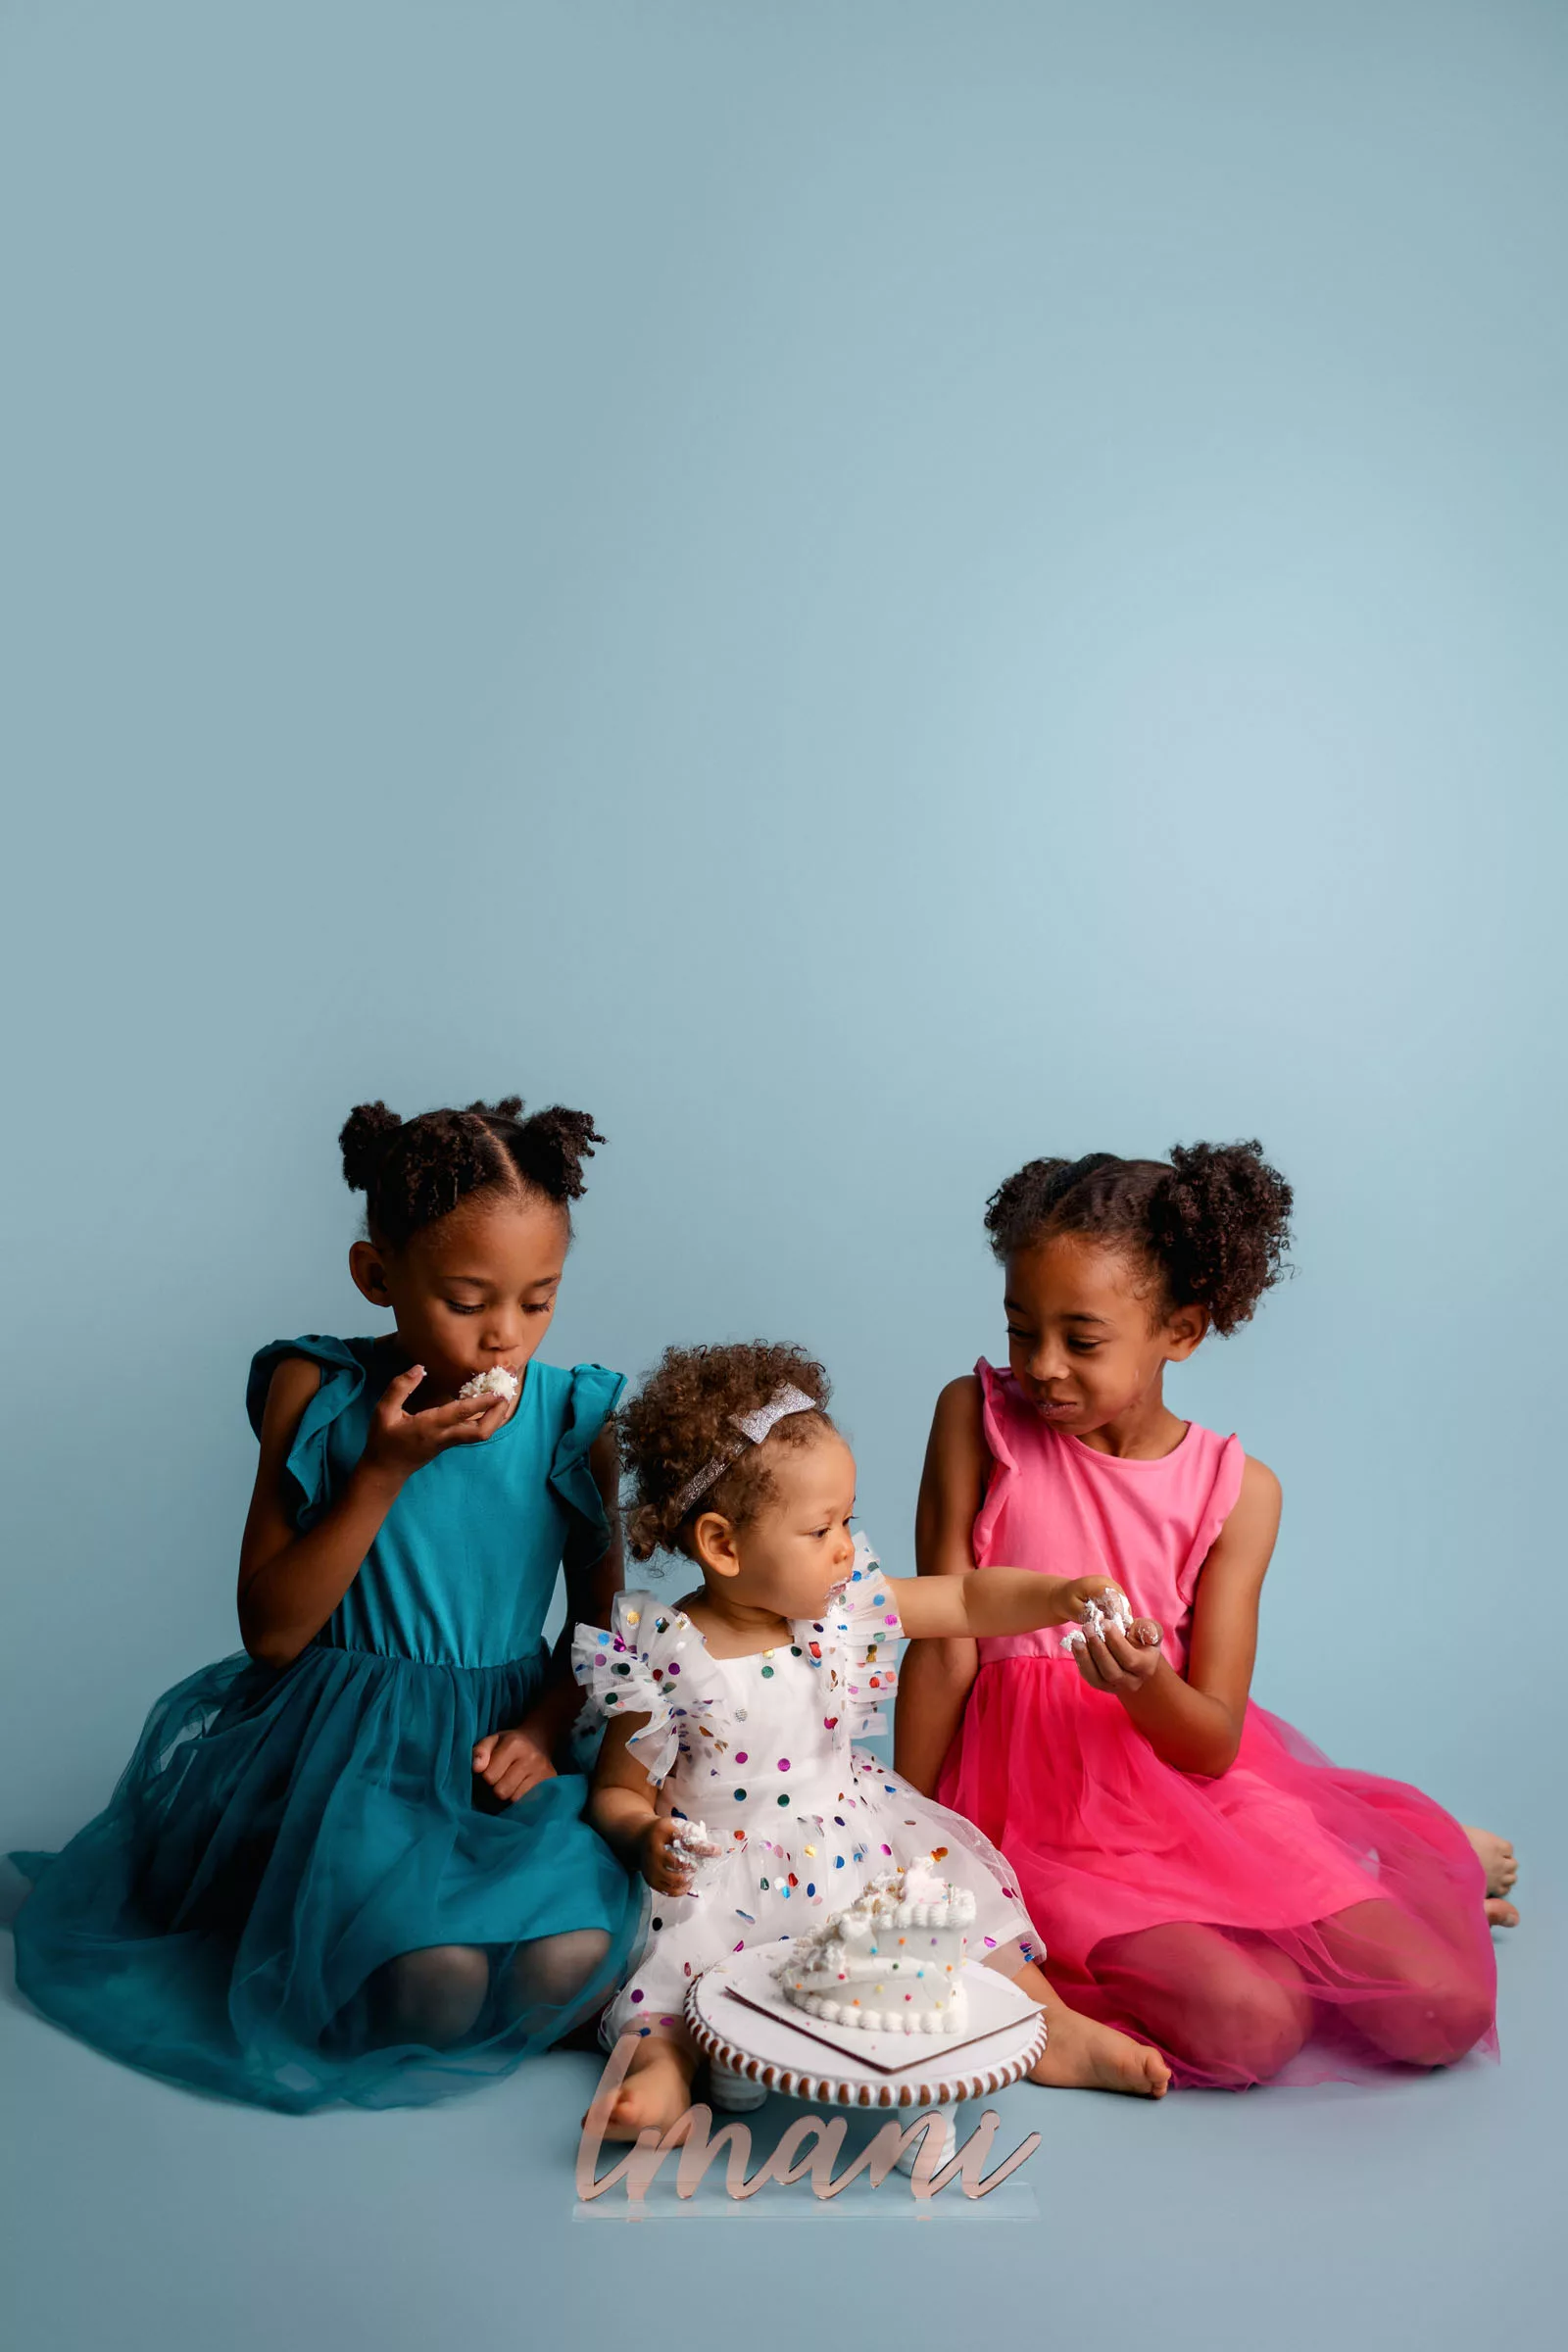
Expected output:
(635, 1669)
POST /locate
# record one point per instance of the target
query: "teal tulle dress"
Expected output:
(280, 1836)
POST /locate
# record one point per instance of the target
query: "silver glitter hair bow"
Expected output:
(753, 1428)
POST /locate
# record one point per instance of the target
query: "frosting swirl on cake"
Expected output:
(892, 1962)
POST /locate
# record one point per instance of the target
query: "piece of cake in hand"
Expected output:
(1112, 1610)
(496, 1382)
(694, 1842)
(698, 1853)
(893, 1961)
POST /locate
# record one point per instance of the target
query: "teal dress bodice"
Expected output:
(280, 1836)
(463, 1568)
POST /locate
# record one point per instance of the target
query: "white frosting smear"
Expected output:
(1112, 1609)
(691, 1839)
(922, 1885)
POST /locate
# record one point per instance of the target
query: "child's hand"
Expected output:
(1084, 1589)
(1119, 1663)
(401, 1442)
(513, 1763)
(666, 1868)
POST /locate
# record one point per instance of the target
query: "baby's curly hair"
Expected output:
(1214, 1221)
(414, 1173)
(682, 1418)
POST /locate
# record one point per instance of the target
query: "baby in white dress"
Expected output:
(737, 1706)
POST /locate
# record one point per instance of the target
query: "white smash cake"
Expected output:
(892, 1962)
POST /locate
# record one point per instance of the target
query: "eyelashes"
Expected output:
(535, 1306)
(1074, 1347)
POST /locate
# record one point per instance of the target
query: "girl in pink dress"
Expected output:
(1202, 1877)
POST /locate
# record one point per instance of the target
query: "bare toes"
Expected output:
(1496, 1857)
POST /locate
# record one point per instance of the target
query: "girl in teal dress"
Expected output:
(344, 1866)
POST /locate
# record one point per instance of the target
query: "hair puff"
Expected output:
(1214, 1220)
(414, 1173)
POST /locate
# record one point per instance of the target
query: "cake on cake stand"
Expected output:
(735, 2019)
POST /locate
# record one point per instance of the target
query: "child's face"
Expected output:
(800, 1545)
(475, 1290)
(1086, 1338)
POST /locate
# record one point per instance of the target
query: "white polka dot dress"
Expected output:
(759, 1748)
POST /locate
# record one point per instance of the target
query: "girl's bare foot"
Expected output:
(1498, 1861)
(657, 2090)
(1081, 2054)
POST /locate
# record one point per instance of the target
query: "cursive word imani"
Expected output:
(808, 2150)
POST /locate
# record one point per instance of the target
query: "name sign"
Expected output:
(808, 2150)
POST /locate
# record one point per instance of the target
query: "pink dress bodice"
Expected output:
(1057, 1506)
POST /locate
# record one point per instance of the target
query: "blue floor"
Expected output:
(1421, 2212)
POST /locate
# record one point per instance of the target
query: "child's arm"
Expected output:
(515, 1759)
(621, 1807)
(935, 1679)
(1195, 1723)
(995, 1600)
(290, 1584)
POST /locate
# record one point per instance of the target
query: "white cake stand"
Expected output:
(751, 2052)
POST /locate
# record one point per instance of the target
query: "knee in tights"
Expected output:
(1432, 2025)
(433, 1996)
(1424, 2010)
(554, 1970)
(1253, 2026)
(1224, 2012)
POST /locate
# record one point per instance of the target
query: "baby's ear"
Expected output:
(369, 1273)
(712, 1542)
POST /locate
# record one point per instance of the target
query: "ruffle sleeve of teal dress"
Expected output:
(236, 1915)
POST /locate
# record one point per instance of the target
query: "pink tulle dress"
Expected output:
(1287, 1920)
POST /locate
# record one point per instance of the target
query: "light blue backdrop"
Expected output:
(866, 591)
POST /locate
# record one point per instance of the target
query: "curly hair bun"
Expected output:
(683, 1419)
(1215, 1219)
(1221, 1224)
(415, 1171)
(557, 1142)
(365, 1133)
